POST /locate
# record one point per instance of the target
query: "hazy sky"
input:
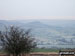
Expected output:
(37, 9)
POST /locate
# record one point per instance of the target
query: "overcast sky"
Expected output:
(37, 9)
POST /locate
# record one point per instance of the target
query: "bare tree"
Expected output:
(16, 41)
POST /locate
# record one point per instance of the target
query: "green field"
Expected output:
(45, 50)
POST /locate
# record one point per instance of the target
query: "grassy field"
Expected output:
(39, 50)
(45, 50)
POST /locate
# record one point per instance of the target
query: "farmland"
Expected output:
(45, 50)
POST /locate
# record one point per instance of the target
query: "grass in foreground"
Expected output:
(39, 50)
(45, 50)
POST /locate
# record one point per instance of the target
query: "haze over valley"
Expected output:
(48, 33)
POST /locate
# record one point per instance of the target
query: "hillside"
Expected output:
(47, 32)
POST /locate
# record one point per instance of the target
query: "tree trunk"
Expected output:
(19, 54)
(15, 54)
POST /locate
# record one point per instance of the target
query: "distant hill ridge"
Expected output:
(47, 32)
